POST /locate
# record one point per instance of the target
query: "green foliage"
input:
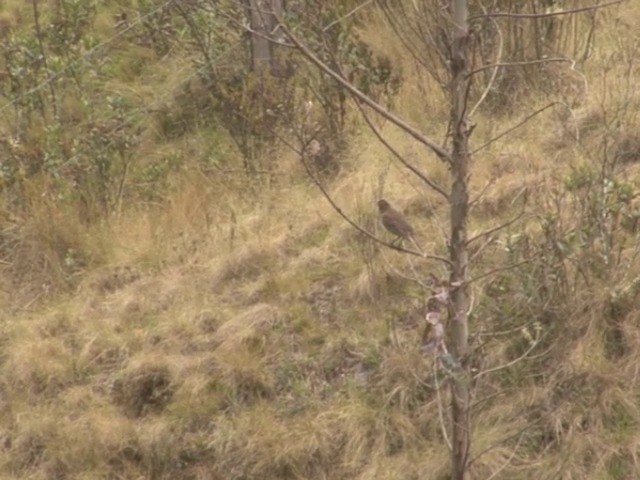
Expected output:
(158, 27)
(147, 378)
(331, 34)
(258, 107)
(35, 77)
(57, 125)
(602, 204)
(70, 27)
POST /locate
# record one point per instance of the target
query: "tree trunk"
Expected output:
(460, 159)
(262, 21)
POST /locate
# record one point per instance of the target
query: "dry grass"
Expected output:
(223, 334)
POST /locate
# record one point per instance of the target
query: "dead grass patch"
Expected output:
(143, 388)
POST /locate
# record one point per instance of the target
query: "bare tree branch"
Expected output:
(348, 14)
(440, 412)
(515, 127)
(499, 269)
(479, 251)
(400, 158)
(473, 202)
(494, 74)
(520, 64)
(358, 227)
(543, 15)
(496, 229)
(408, 32)
(509, 331)
(439, 151)
(301, 155)
(533, 345)
(324, 192)
(246, 27)
(508, 460)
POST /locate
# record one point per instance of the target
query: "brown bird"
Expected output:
(395, 223)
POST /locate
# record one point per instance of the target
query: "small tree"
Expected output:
(457, 157)
(439, 39)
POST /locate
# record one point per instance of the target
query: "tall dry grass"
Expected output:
(239, 329)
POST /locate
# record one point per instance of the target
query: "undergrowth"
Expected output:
(169, 316)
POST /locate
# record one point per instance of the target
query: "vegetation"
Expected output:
(179, 300)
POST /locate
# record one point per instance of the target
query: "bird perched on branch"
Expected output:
(395, 223)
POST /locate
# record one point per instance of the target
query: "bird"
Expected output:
(395, 223)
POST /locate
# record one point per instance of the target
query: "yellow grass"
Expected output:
(239, 329)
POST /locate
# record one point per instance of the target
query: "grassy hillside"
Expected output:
(219, 325)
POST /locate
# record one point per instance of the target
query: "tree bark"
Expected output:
(262, 18)
(458, 321)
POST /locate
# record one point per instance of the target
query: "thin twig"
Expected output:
(398, 272)
(358, 227)
(496, 229)
(479, 251)
(345, 216)
(482, 192)
(518, 433)
(520, 64)
(440, 414)
(518, 125)
(439, 151)
(488, 398)
(496, 270)
(301, 156)
(247, 28)
(347, 15)
(534, 344)
(400, 158)
(508, 461)
(543, 15)
(509, 331)
(494, 74)
(45, 63)
(569, 454)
